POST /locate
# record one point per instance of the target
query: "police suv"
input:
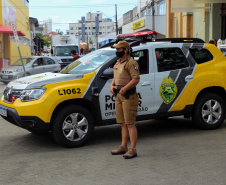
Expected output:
(177, 77)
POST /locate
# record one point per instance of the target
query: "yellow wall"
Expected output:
(22, 24)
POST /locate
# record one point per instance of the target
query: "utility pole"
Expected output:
(153, 14)
(97, 29)
(116, 19)
(87, 44)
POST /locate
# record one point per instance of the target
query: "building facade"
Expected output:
(47, 26)
(12, 13)
(205, 19)
(106, 26)
(141, 18)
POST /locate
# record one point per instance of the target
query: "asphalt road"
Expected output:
(170, 152)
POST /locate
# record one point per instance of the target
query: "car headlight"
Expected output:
(18, 70)
(33, 94)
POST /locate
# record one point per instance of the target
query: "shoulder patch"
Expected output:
(135, 67)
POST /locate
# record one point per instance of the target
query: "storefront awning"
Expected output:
(6, 29)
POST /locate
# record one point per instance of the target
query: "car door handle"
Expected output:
(189, 78)
(146, 83)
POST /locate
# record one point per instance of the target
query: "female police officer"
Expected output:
(126, 77)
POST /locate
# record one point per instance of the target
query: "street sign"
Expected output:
(16, 35)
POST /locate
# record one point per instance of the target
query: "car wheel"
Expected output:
(72, 126)
(209, 111)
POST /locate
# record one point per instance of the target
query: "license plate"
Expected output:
(4, 77)
(3, 111)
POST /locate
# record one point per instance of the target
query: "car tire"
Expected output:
(209, 111)
(72, 126)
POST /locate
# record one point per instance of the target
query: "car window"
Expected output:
(25, 61)
(89, 62)
(170, 59)
(39, 62)
(143, 60)
(49, 61)
(201, 55)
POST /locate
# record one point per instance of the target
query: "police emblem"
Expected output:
(168, 90)
(120, 71)
(136, 67)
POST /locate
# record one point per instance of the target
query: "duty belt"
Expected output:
(127, 93)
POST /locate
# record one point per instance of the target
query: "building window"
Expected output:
(161, 7)
(109, 27)
(94, 27)
(71, 28)
(100, 27)
(89, 28)
(150, 11)
(144, 12)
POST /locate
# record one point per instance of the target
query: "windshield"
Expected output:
(89, 62)
(25, 61)
(65, 50)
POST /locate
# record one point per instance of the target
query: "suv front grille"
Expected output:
(10, 95)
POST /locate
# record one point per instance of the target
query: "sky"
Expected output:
(63, 12)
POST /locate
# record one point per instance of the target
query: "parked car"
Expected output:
(33, 65)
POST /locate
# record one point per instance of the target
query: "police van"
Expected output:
(178, 76)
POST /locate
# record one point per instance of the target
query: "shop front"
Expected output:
(205, 19)
(12, 14)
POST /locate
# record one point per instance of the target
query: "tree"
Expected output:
(41, 36)
(47, 41)
(59, 31)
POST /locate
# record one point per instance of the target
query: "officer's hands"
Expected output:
(122, 91)
(111, 89)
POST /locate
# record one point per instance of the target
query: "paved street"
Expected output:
(170, 152)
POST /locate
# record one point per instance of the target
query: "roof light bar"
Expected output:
(137, 34)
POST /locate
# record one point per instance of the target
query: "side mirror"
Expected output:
(34, 65)
(108, 73)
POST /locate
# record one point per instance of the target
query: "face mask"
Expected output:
(120, 53)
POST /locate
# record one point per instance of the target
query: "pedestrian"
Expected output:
(213, 41)
(123, 86)
(81, 51)
(74, 55)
